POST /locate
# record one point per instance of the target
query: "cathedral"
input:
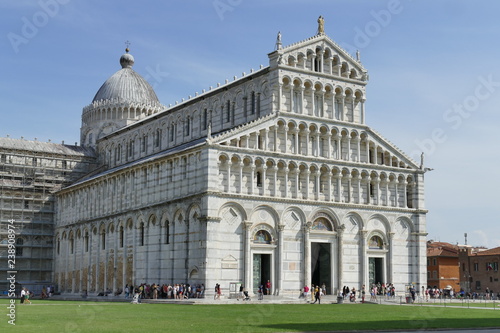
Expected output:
(273, 176)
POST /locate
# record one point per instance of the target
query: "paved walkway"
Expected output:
(328, 299)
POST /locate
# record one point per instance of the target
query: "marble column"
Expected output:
(248, 255)
(390, 262)
(328, 145)
(266, 139)
(340, 256)
(329, 197)
(367, 142)
(348, 139)
(274, 170)
(285, 146)
(297, 180)
(241, 165)
(306, 131)
(307, 173)
(286, 170)
(339, 187)
(296, 141)
(263, 180)
(252, 179)
(279, 263)
(307, 254)
(228, 165)
(364, 258)
(317, 179)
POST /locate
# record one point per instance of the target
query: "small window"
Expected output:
(228, 111)
(478, 285)
(259, 179)
(103, 240)
(131, 149)
(167, 233)
(172, 132)
(476, 267)
(86, 242)
(144, 143)
(157, 138)
(187, 125)
(141, 235)
(434, 261)
(121, 236)
(205, 119)
(254, 101)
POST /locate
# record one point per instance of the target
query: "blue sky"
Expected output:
(434, 78)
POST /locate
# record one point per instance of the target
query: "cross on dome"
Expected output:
(127, 60)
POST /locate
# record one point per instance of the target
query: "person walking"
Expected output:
(27, 296)
(240, 295)
(317, 295)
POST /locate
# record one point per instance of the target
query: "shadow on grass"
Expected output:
(423, 324)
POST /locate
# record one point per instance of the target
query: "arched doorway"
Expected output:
(322, 245)
(376, 260)
(263, 246)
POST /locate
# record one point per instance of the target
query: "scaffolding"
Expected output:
(30, 174)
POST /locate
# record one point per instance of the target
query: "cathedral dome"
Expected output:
(127, 86)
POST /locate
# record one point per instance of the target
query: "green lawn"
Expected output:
(60, 316)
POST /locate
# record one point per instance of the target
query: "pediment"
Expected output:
(248, 131)
(388, 146)
(317, 45)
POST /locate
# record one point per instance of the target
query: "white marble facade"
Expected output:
(272, 176)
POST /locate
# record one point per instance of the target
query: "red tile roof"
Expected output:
(490, 252)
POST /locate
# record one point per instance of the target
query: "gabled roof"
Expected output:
(442, 252)
(432, 244)
(45, 147)
(326, 43)
(146, 159)
(490, 252)
(270, 120)
(241, 130)
(441, 249)
(388, 143)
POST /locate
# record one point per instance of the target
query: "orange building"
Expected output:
(480, 269)
(442, 265)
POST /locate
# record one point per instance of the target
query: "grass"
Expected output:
(67, 316)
